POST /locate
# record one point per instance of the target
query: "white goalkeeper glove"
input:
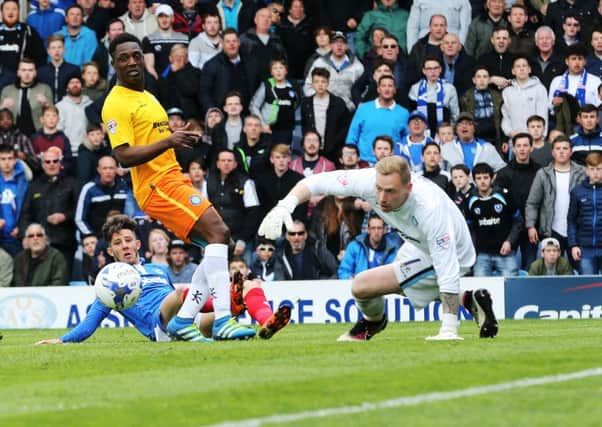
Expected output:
(271, 226)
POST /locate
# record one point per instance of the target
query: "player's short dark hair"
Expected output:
(431, 144)
(321, 72)
(481, 169)
(587, 108)
(522, 135)
(385, 138)
(123, 38)
(536, 118)
(460, 167)
(117, 223)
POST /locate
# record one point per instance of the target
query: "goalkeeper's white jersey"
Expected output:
(428, 219)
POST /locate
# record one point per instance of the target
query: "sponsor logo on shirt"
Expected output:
(112, 127)
(443, 241)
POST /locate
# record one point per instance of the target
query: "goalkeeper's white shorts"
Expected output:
(416, 276)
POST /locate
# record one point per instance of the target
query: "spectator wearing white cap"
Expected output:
(157, 45)
(551, 263)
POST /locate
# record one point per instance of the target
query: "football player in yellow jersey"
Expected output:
(141, 139)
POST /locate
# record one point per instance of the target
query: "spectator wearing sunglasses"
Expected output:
(266, 265)
(39, 264)
(50, 201)
(305, 258)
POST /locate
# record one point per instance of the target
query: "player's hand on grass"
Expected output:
(50, 341)
(271, 226)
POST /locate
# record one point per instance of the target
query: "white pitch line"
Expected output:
(412, 400)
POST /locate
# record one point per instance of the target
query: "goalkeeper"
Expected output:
(438, 248)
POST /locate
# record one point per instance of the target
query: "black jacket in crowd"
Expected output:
(517, 179)
(228, 198)
(47, 73)
(498, 64)
(335, 13)
(19, 42)
(271, 189)
(180, 89)
(555, 67)
(315, 262)
(46, 196)
(221, 76)
(252, 47)
(253, 160)
(298, 41)
(337, 123)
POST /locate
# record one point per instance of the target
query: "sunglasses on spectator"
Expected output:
(31, 236)
(389, 46)
(51, 161)
(266, 248)
(295, 233)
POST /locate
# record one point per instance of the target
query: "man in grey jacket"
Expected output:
(481, 27)
(548, 202)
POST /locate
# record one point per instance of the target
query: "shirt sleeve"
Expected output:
(343, 183)
(118, 122)
(97, 313)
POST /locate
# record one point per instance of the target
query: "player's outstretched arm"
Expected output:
(50, 341)
(129, 155)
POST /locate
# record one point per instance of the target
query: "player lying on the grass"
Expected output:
(247, 294)
(138, 129)
(437, 249)
(159, 300)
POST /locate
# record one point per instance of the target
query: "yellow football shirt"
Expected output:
(137, 118)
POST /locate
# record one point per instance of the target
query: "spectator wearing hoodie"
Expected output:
(253, 150)
(207, 44)
(13, 187)
(72, 113)
(369, 250)
(525, 97)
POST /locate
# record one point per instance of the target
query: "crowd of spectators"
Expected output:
(495, 101)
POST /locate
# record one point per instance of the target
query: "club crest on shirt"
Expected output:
(443, 241)
(112, 127)
(195, 200)
(498, 207)
(343, 180)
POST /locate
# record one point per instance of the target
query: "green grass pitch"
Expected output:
(117, 378)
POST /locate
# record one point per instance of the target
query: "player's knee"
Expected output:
(359, 288)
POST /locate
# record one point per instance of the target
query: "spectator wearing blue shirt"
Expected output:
(410, 147)
(383, 116)
(80, 41)
(467, 149)
(13, 187)
(369, 250)
(46, 19)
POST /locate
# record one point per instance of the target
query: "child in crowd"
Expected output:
(51, 136)
(12, 136)
(462, 189)
(275, 102)
(445, 133)
(92, 148)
